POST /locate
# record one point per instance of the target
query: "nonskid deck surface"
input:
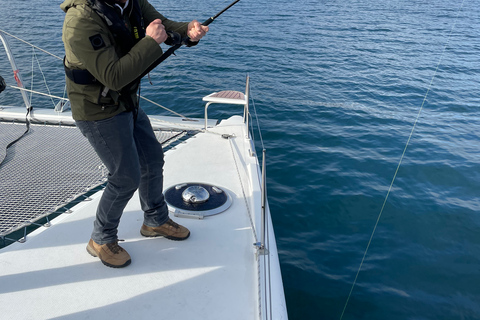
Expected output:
(211, 275)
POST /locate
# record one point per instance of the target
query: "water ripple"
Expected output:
(338, 86)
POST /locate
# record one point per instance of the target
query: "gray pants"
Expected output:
(134, 159)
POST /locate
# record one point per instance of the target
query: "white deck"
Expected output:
(212, 275)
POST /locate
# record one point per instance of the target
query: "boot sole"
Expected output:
(93, 253)
(154, 235)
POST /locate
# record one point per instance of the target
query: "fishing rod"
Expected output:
(210, 20)
(176, 41)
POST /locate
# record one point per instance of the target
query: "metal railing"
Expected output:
(16, 71)
(262, 250)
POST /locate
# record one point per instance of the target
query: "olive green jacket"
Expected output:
(105, 63)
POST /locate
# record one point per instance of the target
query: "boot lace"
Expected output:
(114, 247)
(173, 224)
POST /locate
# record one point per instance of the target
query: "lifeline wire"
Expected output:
(52, 96)
(159, 105)
(400, 162)
(31, 84)
(44, 79)
(258, 122)
(37, 92)
(266, 257)
(11, 35)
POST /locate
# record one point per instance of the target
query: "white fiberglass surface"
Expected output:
(211, 275)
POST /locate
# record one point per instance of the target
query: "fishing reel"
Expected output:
(174, 38)
(176, 41)
(3, 84)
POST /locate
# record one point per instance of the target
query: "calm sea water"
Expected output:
(338, 86)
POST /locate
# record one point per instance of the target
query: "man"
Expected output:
(108, 44)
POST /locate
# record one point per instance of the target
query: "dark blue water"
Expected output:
(338, 86)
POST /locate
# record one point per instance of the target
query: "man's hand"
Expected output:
(156, 30)
(196, 31)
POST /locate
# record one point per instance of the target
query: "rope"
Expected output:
(400, 162)
(27, 129)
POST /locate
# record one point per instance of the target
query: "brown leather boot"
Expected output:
(169, 230)
(111, 254)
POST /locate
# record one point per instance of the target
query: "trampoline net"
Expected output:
(48, 168)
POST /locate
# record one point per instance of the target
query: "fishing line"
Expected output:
(400, 162)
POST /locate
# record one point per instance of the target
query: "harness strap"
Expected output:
(124, 37)
(79, 76)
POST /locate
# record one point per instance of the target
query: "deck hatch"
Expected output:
(197, 200)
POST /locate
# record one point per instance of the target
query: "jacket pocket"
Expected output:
(93, 94)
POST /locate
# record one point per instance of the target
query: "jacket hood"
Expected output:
(67, 4)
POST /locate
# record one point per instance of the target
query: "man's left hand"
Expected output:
(196, 31)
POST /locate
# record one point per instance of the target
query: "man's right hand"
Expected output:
(156, 30)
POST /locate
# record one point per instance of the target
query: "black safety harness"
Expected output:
(124, 38)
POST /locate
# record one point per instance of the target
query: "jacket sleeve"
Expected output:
(150, 14)
(82, 34)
